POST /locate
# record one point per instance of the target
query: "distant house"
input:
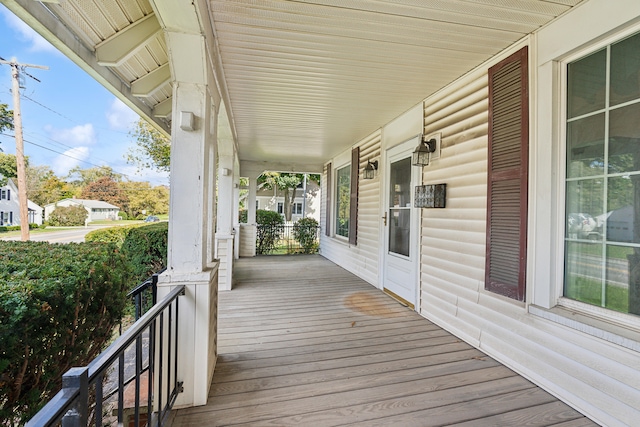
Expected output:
(305, 203)
(10, 207)
(97, 209)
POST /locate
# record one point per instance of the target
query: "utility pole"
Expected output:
(17, 126)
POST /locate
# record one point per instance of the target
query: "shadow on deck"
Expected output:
(304, 342)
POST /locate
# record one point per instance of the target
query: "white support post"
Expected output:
(191, 208)
(224, 232)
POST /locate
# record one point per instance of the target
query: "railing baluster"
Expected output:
(151, 374)
(121, 388)
(160, 352)
(76, 379)
(99, 397)
(136, 408)
(169, 331)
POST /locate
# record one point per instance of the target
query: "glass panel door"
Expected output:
(400, 207)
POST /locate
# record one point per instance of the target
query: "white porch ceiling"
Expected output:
(305, 78)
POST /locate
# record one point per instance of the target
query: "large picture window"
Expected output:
(343, 198)
(602, 239)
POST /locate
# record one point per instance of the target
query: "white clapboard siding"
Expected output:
(588, 373)
(363, 258)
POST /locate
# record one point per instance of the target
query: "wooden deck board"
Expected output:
(304, 342)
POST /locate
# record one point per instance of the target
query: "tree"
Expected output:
(80, 178)
(107, 190)
(143, 198)
(44, 187)
(8, 168)
(286, 183)
(152, 149)
(6, 118)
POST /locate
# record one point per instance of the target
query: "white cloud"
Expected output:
(62, 164)
(38, 43)
(80, 135)
(120, 117)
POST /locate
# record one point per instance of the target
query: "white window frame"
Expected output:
(335, 202)
(547, 190)
(296, 209)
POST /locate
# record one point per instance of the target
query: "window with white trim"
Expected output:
(602, 201)
(281, 208)
(296, 209)
(343, 198)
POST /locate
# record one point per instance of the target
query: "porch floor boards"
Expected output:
(303, 342)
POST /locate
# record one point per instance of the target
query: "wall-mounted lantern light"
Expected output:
(423, 151)
(370, 170)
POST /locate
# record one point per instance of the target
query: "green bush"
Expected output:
(242, 216)
(146, 249)
(305, 231)
(116, 234)
(58, 307)
(269, 230)
(144, 245)
(123, 215)
(68, 216)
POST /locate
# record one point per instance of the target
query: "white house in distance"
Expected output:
(96, 209)
(10, 207)
(529, 109)
(306, 203)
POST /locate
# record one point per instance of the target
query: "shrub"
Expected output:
(123, 215)
(144, 245)
(243, 216)
(58, 307)
(269, 230)
(115, 235)
(68, 216)
(146, 249)
(305, 231)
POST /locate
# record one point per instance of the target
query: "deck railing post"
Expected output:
(76, 379)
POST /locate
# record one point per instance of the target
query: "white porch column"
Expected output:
(191, 210)
(248, 231)
(225, 231)
(251, 200)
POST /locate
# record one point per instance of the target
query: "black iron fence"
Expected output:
(134, 381)
(281, 239)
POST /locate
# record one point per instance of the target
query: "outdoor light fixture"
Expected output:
(370, 170)
(423, 151)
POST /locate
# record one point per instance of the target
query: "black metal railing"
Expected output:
(145, 295)
(146, 352)
(280, 239)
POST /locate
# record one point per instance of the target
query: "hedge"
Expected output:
(144, 245)
(58, 307)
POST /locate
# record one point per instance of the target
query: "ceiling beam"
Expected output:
(146, 85)
(44, 21)
(113, 51)
(162, 110)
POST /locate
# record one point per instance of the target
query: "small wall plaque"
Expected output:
(431, 196)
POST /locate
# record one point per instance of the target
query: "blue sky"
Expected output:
(68, 118)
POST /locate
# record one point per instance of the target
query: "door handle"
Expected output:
(385, 219)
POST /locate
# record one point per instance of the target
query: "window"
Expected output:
(505, 270)
(281, 208)
(343, 198)
(296, 209)
(5, 194)
(602, 202)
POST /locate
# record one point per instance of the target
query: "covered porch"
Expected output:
(304, 342)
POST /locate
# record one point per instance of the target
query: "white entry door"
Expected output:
(400, 268)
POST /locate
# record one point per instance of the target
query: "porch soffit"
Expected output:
(305, 79)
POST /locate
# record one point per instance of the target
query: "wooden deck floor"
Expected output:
(303, 342)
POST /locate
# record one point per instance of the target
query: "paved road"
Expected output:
(60, 236)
